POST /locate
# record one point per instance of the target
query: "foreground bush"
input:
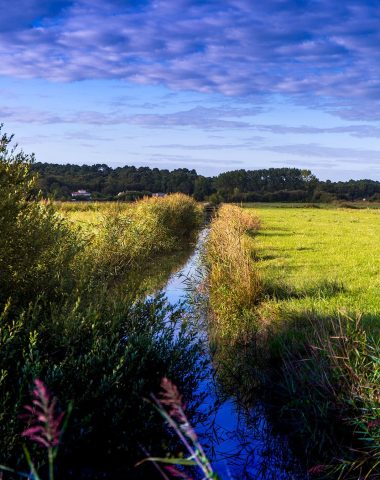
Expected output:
(38, 247)
(61, 321)
(105, 358)
(46, 425)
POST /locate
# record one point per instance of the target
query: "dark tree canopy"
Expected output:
(129, 182)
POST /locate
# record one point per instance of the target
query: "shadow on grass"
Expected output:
(321, 388)
(151, 275)
(325, 289)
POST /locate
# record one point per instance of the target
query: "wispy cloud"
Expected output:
(235, 47)
(206, 146)
(360, 131)
(189, 161)
(205, 118)
(321, 151)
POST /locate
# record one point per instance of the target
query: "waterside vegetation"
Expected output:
(73, 315)
(294, 323)
(309, 327)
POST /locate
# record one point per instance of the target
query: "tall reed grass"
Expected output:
(235, 285)
(330, 384)
(129, 237)
(234, 291)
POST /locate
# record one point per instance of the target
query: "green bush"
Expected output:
(37, 246)
(106, 357)
(87, 341)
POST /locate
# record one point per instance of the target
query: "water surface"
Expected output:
(240, 442)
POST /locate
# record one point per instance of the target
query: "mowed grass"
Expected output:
(322, 260)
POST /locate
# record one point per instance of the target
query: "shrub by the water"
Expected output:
(38, 247)
(105, 358)
(97, 346)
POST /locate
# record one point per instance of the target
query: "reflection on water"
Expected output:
(240, 441)
(152, 274)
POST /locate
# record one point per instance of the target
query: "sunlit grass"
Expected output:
(89, 215)
(321, 259)
(140, 242)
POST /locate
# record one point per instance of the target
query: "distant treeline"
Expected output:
(265, 185)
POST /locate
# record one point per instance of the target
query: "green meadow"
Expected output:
(320, 259)
(89, 215)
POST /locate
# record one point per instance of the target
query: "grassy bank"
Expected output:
(235, 288)
(313, 325)
(127, 239)
(69, 315)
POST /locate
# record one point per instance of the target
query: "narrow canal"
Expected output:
(240, 442)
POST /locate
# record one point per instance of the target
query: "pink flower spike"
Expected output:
(44, 423)
(374, 423)
(172, 399)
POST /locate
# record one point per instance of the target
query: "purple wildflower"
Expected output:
(44, 422)
(374, 423)
(171, 397)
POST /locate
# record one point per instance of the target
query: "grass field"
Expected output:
(320, 259)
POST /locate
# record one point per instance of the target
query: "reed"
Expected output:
(234, 291)
(234, 282)
(127, 238)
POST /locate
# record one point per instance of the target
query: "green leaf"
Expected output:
(172, 461)
(31, 464)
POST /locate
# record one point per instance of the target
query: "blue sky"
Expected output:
(204, 84)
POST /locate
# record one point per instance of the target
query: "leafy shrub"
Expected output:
(90, 344)
(37, 246)
(105, 357)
